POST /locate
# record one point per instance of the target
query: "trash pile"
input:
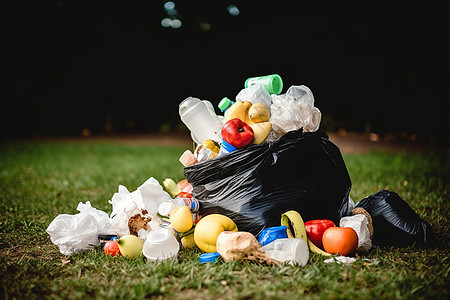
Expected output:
(262, 184)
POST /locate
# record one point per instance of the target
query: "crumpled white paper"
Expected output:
(125, 204)
(340, 260)
(293, 110)
(74, 233)
(359, 223)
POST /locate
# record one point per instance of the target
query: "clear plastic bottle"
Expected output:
(198, 118)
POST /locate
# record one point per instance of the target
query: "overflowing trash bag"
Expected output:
(395, 223)
(256, 184)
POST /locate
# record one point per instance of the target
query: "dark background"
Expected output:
(111, 67)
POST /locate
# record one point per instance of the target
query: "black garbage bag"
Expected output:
(255, 185)
(395, 223)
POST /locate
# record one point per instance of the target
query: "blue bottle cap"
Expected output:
(209, 257)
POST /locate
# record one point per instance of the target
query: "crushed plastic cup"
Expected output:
(160, 244)
(292, 250)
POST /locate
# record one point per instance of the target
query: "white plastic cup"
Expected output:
(160, 244)
(201, 122)
(293, 250)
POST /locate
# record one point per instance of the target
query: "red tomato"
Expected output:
(111, 247)
(342, 240)
(315, 230)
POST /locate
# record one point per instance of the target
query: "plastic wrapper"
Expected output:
(292, 111)
(74, 233)
(255, 94)
(395, 223)
(144, 200)
(256, 184)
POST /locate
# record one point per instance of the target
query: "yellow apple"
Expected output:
(181, 219)
(188, 241)
(208, 229)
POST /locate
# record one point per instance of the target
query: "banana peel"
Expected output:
(292, 219)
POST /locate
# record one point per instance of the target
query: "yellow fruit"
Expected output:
(181, 219)
(238, 110)
(188, 242)
(258, 113)
(171, 187)
(260, 131)
(130, 246)
(208, 229)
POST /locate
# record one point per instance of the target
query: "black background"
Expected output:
(111, 65)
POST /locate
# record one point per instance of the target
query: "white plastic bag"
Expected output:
(293, 110)
(74, 233)
(359, 223)
(255, 94)
(125, 204)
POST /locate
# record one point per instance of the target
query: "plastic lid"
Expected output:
(209, 257)
(224, 104)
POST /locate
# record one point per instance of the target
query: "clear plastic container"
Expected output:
(292, 250)
(203, 125)
(160, 244)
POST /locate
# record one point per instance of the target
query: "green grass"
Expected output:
(39, 180)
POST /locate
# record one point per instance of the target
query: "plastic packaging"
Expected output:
(255, 94)
(292, 111)
(291, 250)
(146, 197)
(226, 148)
(201, 122)
(272, 83)
(74, 233)
(269, 235)
(395, 223)
(255, 185)
(160, 244)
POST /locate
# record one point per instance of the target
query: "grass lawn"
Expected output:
(39, 180)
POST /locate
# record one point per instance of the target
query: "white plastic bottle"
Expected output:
(293, 250)
(201, 122)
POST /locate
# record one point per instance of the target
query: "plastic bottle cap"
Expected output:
(224, 104)
(276, 84)
(209, 257)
